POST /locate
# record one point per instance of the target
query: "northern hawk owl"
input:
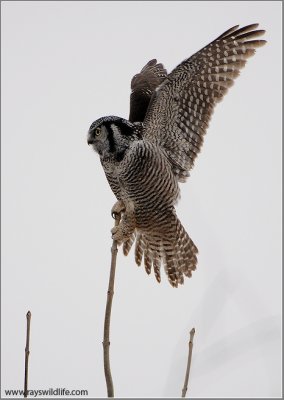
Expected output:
(144, 158)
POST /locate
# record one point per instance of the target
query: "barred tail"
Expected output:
(174, 249)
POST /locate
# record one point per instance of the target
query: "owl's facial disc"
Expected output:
(110, 137)
(97, 138)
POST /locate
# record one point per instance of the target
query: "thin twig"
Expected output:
(27, 353)
(190, 346)
(106, 342)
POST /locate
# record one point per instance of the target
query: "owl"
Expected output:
(146, 157)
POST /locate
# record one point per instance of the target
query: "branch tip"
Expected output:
(190, 346)
(27, 353)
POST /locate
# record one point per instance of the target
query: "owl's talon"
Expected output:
(114, 230)
(118, 235)
(115, 215)
(117, 209)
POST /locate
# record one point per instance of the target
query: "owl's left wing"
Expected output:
(142, 87)
(182, 106)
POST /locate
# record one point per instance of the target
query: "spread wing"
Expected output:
(182, 106)
(142, 87)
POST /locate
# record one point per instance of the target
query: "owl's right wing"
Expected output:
(182, 106)
(142, 87)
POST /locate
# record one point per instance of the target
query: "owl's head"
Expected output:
(111, 136)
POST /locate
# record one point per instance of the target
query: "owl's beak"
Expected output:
(90, 141)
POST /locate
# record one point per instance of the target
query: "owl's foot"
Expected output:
(120, 234)
(117, 209)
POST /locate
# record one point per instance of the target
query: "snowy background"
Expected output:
(64, 64)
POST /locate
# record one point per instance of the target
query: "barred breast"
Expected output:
(146, 179)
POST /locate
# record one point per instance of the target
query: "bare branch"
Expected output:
(27, 353)
(106, 342)
(190, 346)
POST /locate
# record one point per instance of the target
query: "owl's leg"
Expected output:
(117, 209)
(126, 227)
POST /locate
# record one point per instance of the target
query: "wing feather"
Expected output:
(182, 106)
(142, 87)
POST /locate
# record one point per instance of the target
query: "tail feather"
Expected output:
(157, 265)
(139, 249)
(173, 248)
(148, 259)
(128, 244)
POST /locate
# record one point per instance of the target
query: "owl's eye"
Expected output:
(97, 131)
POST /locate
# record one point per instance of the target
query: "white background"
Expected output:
(65, 64)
